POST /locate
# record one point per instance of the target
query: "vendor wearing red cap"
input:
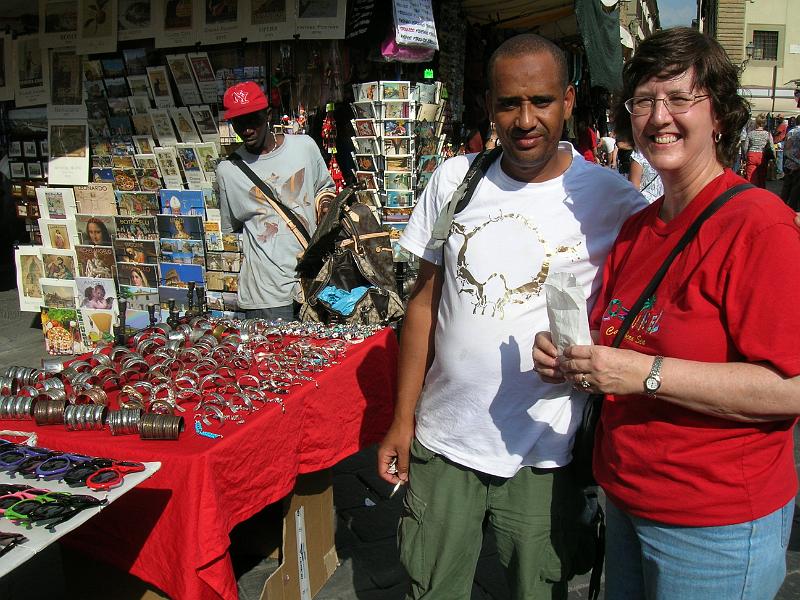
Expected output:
(293, 168)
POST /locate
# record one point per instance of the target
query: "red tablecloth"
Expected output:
(172, 531)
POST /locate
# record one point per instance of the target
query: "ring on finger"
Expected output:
(584, 382)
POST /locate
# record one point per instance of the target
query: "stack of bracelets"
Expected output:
(25, 504)
(221, 370)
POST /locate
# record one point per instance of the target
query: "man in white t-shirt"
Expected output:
(487, 440)
(608, 151)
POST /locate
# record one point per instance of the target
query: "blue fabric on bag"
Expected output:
(342, 301)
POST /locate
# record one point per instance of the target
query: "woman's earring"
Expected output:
(717, 137)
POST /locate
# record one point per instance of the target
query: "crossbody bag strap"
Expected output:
(461, 196)
(662, 271)
(292, 220)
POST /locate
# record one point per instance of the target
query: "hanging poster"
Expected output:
(414, 24)
(33, 74)
(220, 21)
(204, 74)
(66, 89)
(58, 23)
(182, 74)
(134, 19)
(6, 68)
(175, 23)
(268, 20)
(97, 26)
(321, 19)
(29, 270)
(69, 152)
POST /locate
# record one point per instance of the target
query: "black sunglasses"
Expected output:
(9, 541)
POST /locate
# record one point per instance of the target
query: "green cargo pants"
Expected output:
(534, 516)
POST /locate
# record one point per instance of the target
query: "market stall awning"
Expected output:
(517, 14)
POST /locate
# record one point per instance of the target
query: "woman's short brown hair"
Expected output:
(670, 52)
(761, 120)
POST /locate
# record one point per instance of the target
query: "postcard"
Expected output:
(190, 252)
(30, 270)
(182, 202)
(58, 293)
(95, 261)
(137, 297)
(136, 228)
(179, 275)
(95, 229)
(96, 292)
(180, 227)
(58, 233)
(394, 90)
(139, 275)
(393, 180)
(135, 251)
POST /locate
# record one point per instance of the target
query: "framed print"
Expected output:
(396, 181)
(17, 170)
(95, 229)
(44, 149)
(15, 149)
(58, 293)
(139, 275)
(34, 170)
(366, 145)
(29, 149)
(135, 19)
(59, 264)
(30, 270)
(394, 90)
(58, 233)
(136, 228)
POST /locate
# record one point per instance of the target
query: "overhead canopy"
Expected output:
(517, 14)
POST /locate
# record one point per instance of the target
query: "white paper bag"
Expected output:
(566, 310)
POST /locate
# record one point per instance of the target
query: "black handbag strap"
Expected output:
(461, 196)
(292, 220)
(662, 271)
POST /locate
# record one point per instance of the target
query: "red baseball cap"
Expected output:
(244, 98)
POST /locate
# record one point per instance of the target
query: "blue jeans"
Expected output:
(779, 158)
(654, 561)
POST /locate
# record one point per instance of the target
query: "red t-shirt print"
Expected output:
(721, 301)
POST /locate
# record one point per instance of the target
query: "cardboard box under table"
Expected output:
(173, 530)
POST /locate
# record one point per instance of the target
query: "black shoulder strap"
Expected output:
(461, 196)
(292, 220)
(685, 239)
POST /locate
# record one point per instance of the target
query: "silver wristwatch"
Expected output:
(653, 380)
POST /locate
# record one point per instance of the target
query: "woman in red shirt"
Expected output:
(697, 463)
